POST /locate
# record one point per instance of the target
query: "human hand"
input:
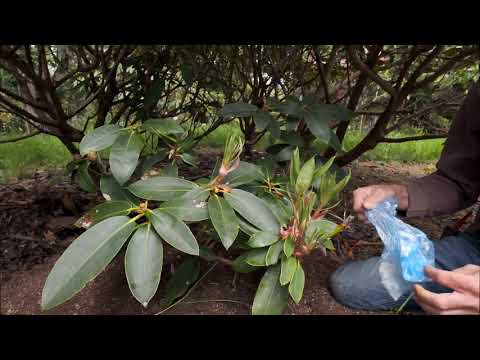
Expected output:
(465, 298)
(369, 196)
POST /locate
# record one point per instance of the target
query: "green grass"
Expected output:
(411, 151)
(23, 158)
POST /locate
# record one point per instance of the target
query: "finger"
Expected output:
(453, 280)
(359, 196)
(469, 269)
(376, 197)
(439, 302)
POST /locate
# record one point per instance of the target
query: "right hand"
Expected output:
(369, 196)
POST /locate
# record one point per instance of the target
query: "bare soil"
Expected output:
(36, 226)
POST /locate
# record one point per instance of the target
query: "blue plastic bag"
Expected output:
(407, 250)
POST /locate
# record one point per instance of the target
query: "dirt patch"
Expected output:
(220, 292)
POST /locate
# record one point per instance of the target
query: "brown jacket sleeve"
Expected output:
(456, 183)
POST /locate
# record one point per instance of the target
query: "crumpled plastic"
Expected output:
(407, 250)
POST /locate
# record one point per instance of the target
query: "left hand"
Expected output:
(465, 298)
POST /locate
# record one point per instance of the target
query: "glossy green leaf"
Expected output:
(124, 155)
(238, 110)
(274, 128)
(170, 170)
(161, 188)
(292, 139)
(271, 298)
(109, 209)
(244, 174)
(152, 160)
(112, 191)
(305, 176)
(188, 159)
(290, 107)
(253, 209)
(174, 232)
(99, 139)
(83, 179)
(294, 167)
(297, 283)
(154, 93)
(240, 265)
(262, 119)
(223, 219)
(323, 227)
(191, 206)
(206, 253)
(319, 129)
(262, 239)
(163, 126)
(84, 259)
(288, 267)
(331, 112)
(245, 227)
(284, 154)
(273, 253)
(280, 209)
(256, 257)
(143, 263)
(289, 246)
(183, 277)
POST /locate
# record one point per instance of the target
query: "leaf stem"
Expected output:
(399, 310)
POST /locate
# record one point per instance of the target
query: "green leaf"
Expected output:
(154, 92)
(244, 174)
(152, 160)
(322, 228)
(290, 107)
(256, 257)
(271, 298)
(99, 139)
(274, 128)
(328, 244)
(161, 188)
(143, 264)
(262, 119)
(223, 219)
(245, 227)
(296, 285)
(83, 179)
(84, 259)
(289, 265)
(294, 167)
(188, 159)
(112, 191)
(216, 169)
(285, 154)
(124, 155)
(334, 141)
(239, 109)
(305, 176)
(185, 275)
(253, 209)
(331, 112)
(170, 170)
(240, 265)
(206, 253)
(189, 207)
(268, 167)
(279, 208)
(109, 209)
(262, 239)
(174, 232)
(319, 129)
(292, 139)
(163, 126)
(273, 253)
(289, 246)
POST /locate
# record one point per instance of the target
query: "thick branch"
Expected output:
(413, 138)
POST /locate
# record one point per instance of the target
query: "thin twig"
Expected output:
(20, 138)
(399, 310)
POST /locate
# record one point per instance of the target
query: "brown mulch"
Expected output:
(36, 218)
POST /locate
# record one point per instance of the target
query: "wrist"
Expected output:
(401, 192)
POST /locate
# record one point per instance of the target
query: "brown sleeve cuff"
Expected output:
(433, 195)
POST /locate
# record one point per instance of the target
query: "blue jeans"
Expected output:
(357, 284)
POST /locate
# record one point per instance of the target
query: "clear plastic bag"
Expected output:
(407, 250)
